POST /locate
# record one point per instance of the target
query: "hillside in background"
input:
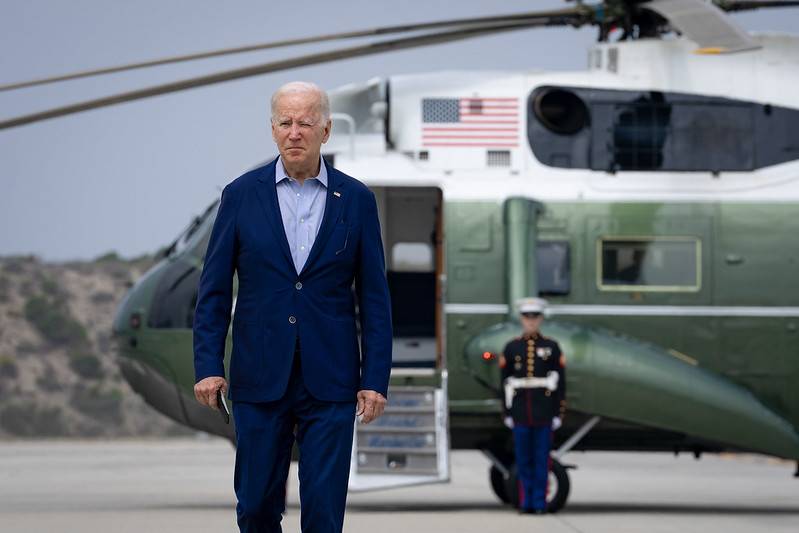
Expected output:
(58, 375)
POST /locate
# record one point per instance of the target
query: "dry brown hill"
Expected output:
(58, 376)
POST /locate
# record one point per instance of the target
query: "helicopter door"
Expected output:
(409, 444)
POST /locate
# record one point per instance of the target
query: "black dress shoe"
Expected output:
(532, 511)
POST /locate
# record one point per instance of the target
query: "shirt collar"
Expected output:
(280, 172)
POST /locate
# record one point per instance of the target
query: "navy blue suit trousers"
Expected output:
(265, 433)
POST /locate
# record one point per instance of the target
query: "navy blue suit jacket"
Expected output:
(275, 303)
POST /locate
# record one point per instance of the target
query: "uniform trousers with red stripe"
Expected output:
(533, 444)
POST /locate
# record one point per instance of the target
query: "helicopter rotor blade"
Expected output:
(576, 18)
(728, 38)
(704, 23)
(587, 11)
(745, 5)
(373, 32)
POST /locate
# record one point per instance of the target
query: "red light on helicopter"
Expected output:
(488, 356)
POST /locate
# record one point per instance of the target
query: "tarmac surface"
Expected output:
(186, 485)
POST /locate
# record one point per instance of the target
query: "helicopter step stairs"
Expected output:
(407, 445)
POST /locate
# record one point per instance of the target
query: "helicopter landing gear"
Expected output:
(506, 490)
(558, 487)
(505, 484)
(504, 479)
(498, 484)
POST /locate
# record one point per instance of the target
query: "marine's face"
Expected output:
(298, 129)
(531, 322)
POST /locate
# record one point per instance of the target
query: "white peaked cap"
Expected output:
(531, 305)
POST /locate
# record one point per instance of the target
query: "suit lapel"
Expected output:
(333, 206)
(267, 195)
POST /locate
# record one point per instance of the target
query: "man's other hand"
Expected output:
(370, 405)
(205, 390)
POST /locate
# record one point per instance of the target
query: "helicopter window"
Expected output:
(615, 130)
(649, 264)
(637, 135)
(654, 132)
(197, 243)
(554, 268)
(175, 297)
(195, 237)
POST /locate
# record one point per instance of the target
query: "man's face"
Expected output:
(298, 129)
(531, 322)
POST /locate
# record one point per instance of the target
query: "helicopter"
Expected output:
(651, 198)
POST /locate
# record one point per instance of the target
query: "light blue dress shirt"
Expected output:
(302, 208)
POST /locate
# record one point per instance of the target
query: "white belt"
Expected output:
(512, 384)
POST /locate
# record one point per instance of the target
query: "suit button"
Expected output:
(298, 285)
(292, 320)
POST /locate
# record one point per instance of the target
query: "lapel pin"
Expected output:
(336, 193)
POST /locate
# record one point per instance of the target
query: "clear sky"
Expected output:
(130, 177)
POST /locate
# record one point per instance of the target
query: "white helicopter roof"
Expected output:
(441, 155)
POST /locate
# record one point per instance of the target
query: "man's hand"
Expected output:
(205, 390)
(508, 421)
(556, 423)
(370, 405)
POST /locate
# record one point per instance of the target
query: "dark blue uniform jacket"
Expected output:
(534, 356)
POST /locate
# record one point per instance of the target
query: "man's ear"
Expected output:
(328, 127)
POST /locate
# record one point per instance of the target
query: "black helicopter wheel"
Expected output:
(498, 485)
(557, 489)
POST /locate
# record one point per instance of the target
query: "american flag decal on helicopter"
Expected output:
(479, 122)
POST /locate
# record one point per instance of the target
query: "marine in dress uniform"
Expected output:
(535, 407)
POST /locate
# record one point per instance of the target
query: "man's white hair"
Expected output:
(294, 87)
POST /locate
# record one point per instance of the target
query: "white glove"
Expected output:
(508, 421)
(556, 423)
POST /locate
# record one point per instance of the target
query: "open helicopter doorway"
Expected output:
(409, 444)
(411, 224)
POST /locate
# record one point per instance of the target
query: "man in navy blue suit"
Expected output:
(298, 233)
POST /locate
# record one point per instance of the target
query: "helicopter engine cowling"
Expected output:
(625, 379)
